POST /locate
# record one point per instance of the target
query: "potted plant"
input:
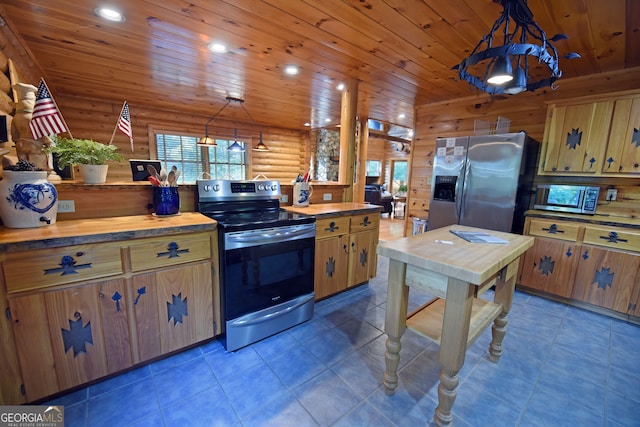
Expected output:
(402, 190)
(90, 156)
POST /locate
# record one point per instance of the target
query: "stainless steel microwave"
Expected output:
(567, 198)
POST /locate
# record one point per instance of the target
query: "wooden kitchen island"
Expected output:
(456, 272)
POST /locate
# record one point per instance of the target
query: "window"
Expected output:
(374, 167)
(195, 162)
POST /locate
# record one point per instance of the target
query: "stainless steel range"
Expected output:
(266, 259)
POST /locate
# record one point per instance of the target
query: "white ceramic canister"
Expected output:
(302, 192)
(27, 199)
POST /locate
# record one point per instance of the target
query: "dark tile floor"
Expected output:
(562, 366)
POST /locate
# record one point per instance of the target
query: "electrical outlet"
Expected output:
(284, 198)
(66, 206)
(327, 196)
(612, 193)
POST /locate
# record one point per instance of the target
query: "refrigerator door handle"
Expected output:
(458, 195)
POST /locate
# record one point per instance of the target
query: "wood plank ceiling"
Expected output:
(400, 51)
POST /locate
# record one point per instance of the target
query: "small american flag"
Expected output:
(124, 122)
(46, 119)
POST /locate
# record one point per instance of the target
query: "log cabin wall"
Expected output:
(527, 112)
(96, 119)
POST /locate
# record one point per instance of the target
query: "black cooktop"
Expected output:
(250, 220)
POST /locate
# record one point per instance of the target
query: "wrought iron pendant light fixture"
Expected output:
(507, 66)
(208, 141)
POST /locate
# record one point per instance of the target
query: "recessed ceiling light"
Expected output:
(307, 124)
(327, 120)
(217, 47)
(292, 70)
(401, 116)
(110, 14)
(340, 86)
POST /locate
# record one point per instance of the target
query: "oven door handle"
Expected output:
(266, 236)
(272, 315)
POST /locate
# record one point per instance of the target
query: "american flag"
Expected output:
(46, 119)
(124, 122)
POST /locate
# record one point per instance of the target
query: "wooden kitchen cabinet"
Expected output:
(78, 313)
(606, 278)
(623, 149)
(80, 334)
(608, 267)
(172, 308)
(363, 242)
(549, 266)
(332, 256)
(345, 252)
(590, 263)
(576, 137)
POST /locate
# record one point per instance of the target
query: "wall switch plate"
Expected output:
(66, 206)
(612, 193)
(327, 196)
(284, 198)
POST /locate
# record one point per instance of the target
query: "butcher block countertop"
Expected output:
(327, 210)
(72, 232)
(446, 254)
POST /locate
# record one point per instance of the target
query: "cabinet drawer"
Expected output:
(331, 227)
(49, 267)
(169, 250)
(554, 229)
(611, 237)
(365, 222)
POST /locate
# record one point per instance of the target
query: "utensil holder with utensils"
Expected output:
(166, 201)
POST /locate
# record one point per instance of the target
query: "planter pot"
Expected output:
(27, 200)
(94, 174)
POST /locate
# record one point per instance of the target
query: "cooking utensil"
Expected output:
(153, 172)
(153, 180)
(171, 178)
(163, 177)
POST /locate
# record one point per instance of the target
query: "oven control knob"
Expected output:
(216, 187)
(274, 187)
(206, 188)
(260, 187)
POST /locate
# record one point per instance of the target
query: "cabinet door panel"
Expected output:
(362, 253)
(575, 138)
(175, 307)
(76, 335)
(548, 266)
(114, 299)
(33, 345)
(145, 309)
(605, 277)
(330, 271)
(623, 150)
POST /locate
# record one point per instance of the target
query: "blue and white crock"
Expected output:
(27, 199)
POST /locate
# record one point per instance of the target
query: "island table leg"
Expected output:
(505, 287)
(453, 345)
(395, 322)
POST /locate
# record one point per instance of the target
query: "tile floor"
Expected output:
(562, 366)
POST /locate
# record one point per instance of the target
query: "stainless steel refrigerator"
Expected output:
(483, 181)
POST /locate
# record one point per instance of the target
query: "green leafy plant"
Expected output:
(72, 151)
(402, 188)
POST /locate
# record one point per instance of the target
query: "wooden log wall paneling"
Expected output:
(526, 111)
(96, 119)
